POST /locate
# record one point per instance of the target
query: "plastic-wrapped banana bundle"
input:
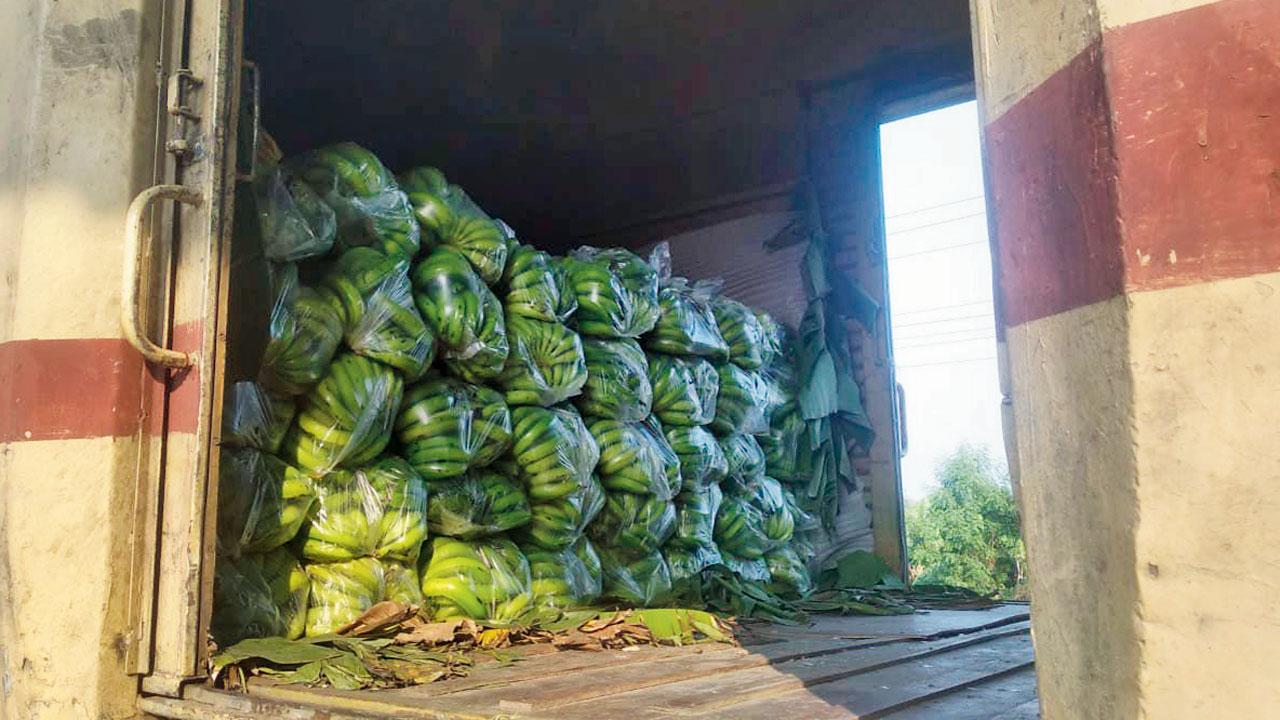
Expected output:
(294, 222)
(685, 564)
(741, 330)
(637, 580)
(781, 446)
(256, 417)
(452, 219)
(633, 523)
(545, 364)
(289, 587)
(617, 292)
(304, 331)
(369, 205)
(754, 518)
(777, 343)
(702, 462)
(464, 314)
(378, 511)
(448, 426)
(635, 458)
(559, 522)
(262, 501)
(342, 592)
(684, 390)
(788, 575)
(485, 579)
(346, 420)
(743, 456)
(534, 286)
(617, 386)
(243, 606)
(402, 584)
(475, 505)
(374, 297)
(741, 403)
(686, 324)
(696, 512)
(566, 578)
(553, 450)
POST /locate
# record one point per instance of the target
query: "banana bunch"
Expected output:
(243, 606)
(545, 364)
(789, 576)
(477, 504)
(533, 286)
(739, 528)
(558, 523)
(776, 347)
(347, 418)
(696, 517)
(372, 294)
(767, 495)
(617, 385)
(369, 205)
(553, 450)
(684, 390)
(617, 292)
(304, 331)
(781, 446)
(379, 510)
(741, 403)
(635, 458)
(293, 221)
(289, 587)
(564, 579)
(402, 584)
(451, 219)
(253, 416)
(447, 426)
(635, 523)
(642, 580)
(341, 592)
(805, 522)
(743, 456)
(686, 563)
(686, 325)
(465, 315)
(262, 502)
(741, 330)
(481, 579)
(702, 462)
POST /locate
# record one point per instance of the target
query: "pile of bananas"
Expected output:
(480, 579)
(553, 450)
(369, 205)
(448, 426)
(253, 416)
(739, 528)
(633, 523)
(617, 292)
(741, 403)
(617, 384)
(558, 523)
(696, 517)
(463, 312)
(781, 446)
(635, 458)
(767, 495)
(288, 585)
(375, 300)
(702, 462)
(262, 502)
(304, 331)
(789, 577)
(379, 510)
(402, 584)
(293, 221)
(684, 390)
(341, 592)
(451, 219)
(534, 286)
(740, 328)
(243, 606)
(475, 505)
(347, 418)
(743, 456)
(638, 580)
(564, 579)
(545, 364)
(686, 325)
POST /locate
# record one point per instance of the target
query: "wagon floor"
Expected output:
(941, 665)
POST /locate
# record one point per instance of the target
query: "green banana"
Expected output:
(464, 314)
(545, 364)
(475, 505)
(553, 450)
(450, 218)
(686, 564)
(635, 458)
(481, 579)
(741, 403)
(262, 502)
(789, 577)
(566, 578)
(635, 523)
(532, 286)
(743, 456)
(289, 587)
(244, 605)
(293, 221)
(447, 426)
(402, 584)
(702, 462)
(696, 517)
(781, 446)
(617, 384)
(559, 522)
(379, 510)
(304, 331)
(617, 292)
(342, 592)
(642, 580)
(253, 416)
(777, 346)
(741, 330)
(684, 390)
(686, 325)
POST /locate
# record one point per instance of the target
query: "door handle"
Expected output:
(136, 255)
(902, 419)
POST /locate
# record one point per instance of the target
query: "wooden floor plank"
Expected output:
(1027, 711)
(1008, 697)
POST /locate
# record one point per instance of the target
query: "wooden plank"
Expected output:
(931, 623)
(1009, 697)
(1026, 711)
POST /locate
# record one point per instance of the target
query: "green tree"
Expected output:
(965, 532)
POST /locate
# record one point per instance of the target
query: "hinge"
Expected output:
(182, 85)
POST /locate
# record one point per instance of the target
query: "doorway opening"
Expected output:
(961, 518)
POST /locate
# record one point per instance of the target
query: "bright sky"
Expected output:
(940, 288)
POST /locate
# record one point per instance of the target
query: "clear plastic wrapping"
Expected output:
(554, 452)
(564, 579)
(560, 522)
(293, 221)
(739, 529)
(776, 346)
(617, 292)
(243, 606)
(781, 446)
(450, 218)
(289, 587)
(447, 426)
(369, 205)
(635, 458)
(684, 390)
(685, 563)
(304, 331)
(379, 510)
(477, 504)
(402, 583)
(742, 402)
(754, 570)
(789, 577)
(374, 297)
(633, 523)
(545, 364)
(262, 501)
(686, 325)
(696, 517)
(702, 462)
(743, 456)
(741, 330)
(480, 579)
(342, 592)
(346, 420)
(256, 417)
(617, 386)
(464, 314)
(642, 580)
(533, 286)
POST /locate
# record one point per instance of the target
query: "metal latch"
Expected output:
(181, 85)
